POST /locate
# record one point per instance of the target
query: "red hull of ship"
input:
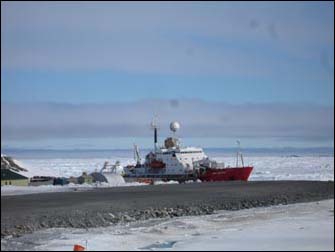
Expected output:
(238, 173)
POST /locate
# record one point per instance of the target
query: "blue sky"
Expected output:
(108, 86)
(219, 53)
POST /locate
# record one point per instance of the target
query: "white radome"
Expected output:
(174, 126)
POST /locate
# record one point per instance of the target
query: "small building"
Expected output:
(73, 180)
(85, 179)
(60, 181)
(9, 177)
(98, 177)
(41, 180)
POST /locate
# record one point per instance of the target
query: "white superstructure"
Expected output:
(172, 159)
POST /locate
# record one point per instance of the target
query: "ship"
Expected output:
(174, 162)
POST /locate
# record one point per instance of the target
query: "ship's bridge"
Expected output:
(172, 145)
(180, 160)
(178, 150)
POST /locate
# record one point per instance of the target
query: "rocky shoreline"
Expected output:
(108, 206)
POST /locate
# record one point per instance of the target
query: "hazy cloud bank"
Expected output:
(197, 118)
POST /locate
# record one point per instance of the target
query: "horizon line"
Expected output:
(126, 149)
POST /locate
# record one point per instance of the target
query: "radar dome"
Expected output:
(174, 126)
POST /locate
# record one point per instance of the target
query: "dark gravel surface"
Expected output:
(105, 206)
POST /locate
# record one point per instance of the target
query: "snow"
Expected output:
(166, 183)
(113, 181)
(61, 167)
(20, 190)
(304, 226)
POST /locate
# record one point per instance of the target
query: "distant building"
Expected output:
(73, 180)
(60, 181)
(85, 179)
(9, 163)
(41, 180)
(98, 177)
(9, 177)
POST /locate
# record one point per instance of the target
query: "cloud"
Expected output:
(164, 38)
(198, 119)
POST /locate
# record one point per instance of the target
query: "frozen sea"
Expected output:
(287, 164)
(265, 167)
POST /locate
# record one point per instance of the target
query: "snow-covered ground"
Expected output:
(113, 181)
(305, 226)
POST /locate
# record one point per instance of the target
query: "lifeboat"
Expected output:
(148, 181)
(157, 164)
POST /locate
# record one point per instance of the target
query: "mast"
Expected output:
(137, 156)
(238, 151)
(154, 126)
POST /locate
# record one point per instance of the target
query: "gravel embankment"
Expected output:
(106, 206)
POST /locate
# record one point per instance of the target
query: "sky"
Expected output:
(77, 73)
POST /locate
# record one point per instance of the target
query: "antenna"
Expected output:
(239, 153)
(137, 155)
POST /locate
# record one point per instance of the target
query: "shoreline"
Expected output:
(107, 206)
